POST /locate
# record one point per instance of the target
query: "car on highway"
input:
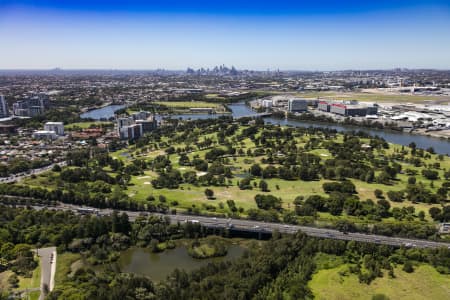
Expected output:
(191, 221)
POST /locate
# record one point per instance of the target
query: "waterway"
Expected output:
(102, 113)
(159, 265)
(441, 146)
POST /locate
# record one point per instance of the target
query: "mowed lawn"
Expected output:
(187, 195)
(84, 125)
(425, 283)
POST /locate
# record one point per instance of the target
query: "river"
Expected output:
(159, 265)
(440, 146)
(102, 113)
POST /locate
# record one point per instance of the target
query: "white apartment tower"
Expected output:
(3, 107)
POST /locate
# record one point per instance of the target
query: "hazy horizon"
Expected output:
(255, 35)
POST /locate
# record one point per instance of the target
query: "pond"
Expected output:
(159, 265)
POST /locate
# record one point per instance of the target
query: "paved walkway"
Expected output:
(48, 269)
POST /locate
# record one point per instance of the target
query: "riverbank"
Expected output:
(357, 125)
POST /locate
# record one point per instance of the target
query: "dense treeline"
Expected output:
(282, 267)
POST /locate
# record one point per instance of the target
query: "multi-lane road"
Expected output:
(20, 176)
(265, 227)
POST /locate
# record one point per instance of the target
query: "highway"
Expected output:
(20, 176)
(266, 227)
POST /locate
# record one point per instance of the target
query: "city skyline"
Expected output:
(252, 35)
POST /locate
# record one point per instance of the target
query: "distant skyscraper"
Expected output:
(3, 107)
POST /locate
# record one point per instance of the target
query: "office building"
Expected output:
(324, 106)
(297, 105)
(267, 103)
(147, 125)
(57, 127)
(141, 115)
(122, 122)
(353, 110)
(135, 125)
(3, 107)
(131, 132)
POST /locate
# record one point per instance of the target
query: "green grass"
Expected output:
(33, 282)
(4, 276)
(424, 283)
(84, 125)
(63, 267)
(34, 295)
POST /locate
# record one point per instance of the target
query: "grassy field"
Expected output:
(4, 279)
(33, 282)
(371, 97)
(187, 104)
(84, 125)
(424, 283)
(63, 267)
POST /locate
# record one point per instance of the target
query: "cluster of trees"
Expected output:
(268, 202)
(20, 165)
(209, 247)
(441, 215)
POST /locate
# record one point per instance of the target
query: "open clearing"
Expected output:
(424, 283)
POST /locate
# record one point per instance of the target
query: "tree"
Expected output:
(435, 212)
(268, 202)
(384, 203)
(378, 193)
(13, 280)
(264, 186)
(396, 196)
(408, 267)
(209, 193)
(413, 148)
(56, 168)
(256, 170)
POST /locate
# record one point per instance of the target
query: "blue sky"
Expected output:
(289, 35)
